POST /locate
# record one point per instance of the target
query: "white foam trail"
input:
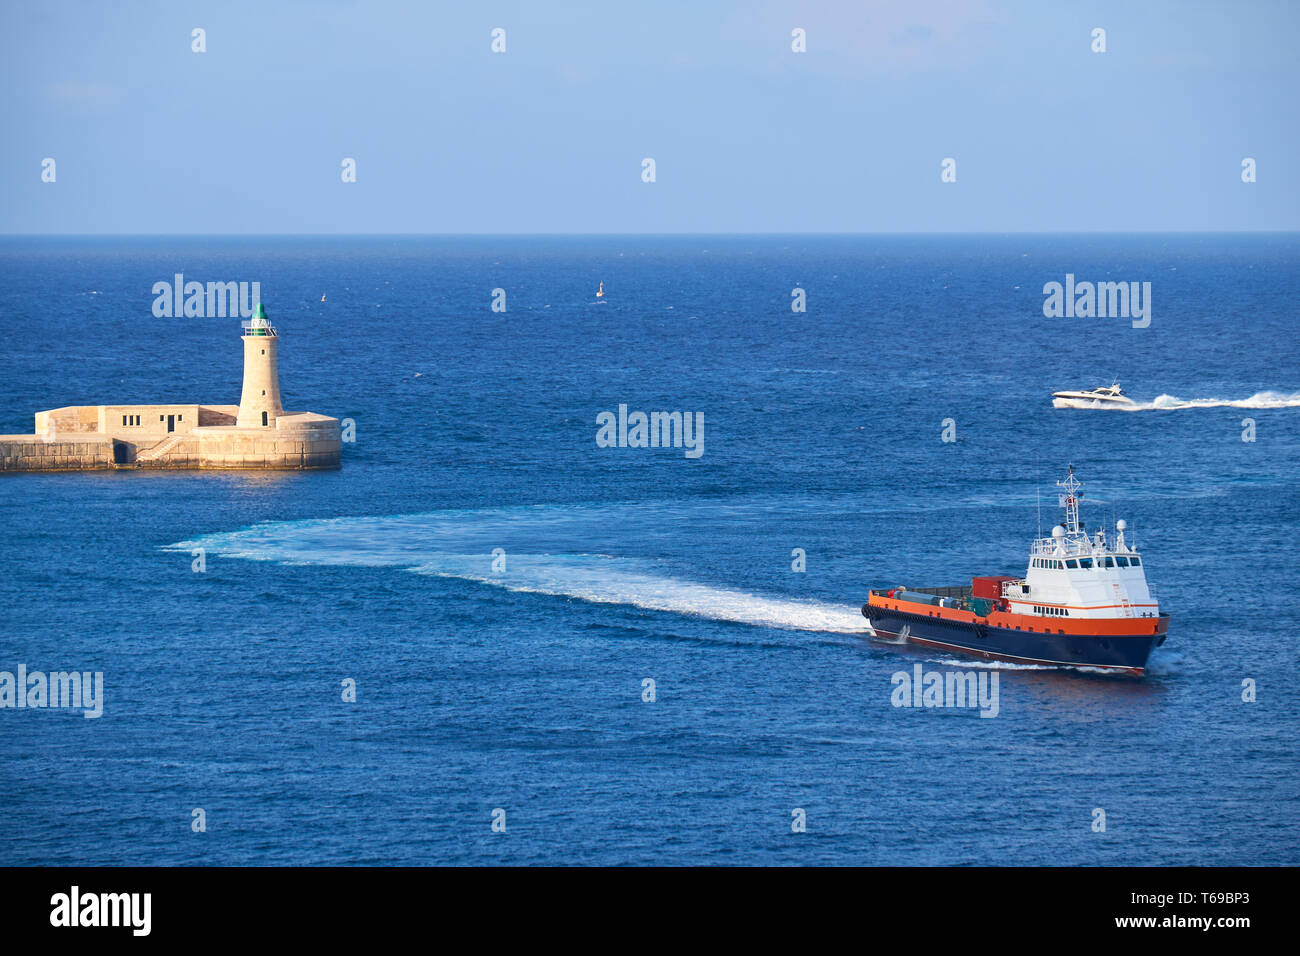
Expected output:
(1169, 403)
(608, 580)
(979, 664)
(459, 545)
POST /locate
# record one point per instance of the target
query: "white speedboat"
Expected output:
(1108, 396)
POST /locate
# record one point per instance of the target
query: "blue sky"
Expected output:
(747, 136)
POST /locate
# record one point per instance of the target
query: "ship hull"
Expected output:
(1124, 654)
(1092, 403)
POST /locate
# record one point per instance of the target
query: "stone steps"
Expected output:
(154, 452)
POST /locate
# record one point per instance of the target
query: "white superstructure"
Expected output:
(1074, 574)
(1094, 398)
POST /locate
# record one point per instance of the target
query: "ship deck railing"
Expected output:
(949, 592)
(1077, 548)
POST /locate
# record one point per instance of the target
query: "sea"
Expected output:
(489, 638)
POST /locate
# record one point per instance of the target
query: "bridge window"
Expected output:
(123, 419)
(1071, 563)
(1110, 562)
(1135, 562)
(1122, 562)
(1085, 562)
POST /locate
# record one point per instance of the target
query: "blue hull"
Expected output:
(1120, 653)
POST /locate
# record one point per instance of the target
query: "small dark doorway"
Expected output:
(171, 423)
(263, 418)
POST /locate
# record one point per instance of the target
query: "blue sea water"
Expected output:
(522, 690)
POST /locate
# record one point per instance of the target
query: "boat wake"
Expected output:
(461, 545)
(602, 579)
(977, 664)
(1173, 403)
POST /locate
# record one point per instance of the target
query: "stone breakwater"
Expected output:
(297, 440)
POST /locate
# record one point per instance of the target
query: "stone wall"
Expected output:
(295, 441)
(217, 415)
(72, 418)
(32, 453)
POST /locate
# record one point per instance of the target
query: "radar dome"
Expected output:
(1058, 532)
(1121, 524)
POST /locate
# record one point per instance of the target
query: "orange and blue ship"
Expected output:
(1084, 602)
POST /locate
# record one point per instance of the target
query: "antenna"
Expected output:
(1038, 491)
(1070, 501)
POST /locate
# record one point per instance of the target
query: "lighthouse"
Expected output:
(259, 405)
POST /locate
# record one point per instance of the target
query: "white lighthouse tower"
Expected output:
(259, 405)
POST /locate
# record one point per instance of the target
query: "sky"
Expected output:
(747, 136)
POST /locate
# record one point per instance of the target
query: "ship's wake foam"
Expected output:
(460, 545)
(1169, 403)
(601, 579)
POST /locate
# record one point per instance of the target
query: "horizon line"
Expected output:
(560, 235)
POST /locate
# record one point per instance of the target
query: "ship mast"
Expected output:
(1070, 501)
